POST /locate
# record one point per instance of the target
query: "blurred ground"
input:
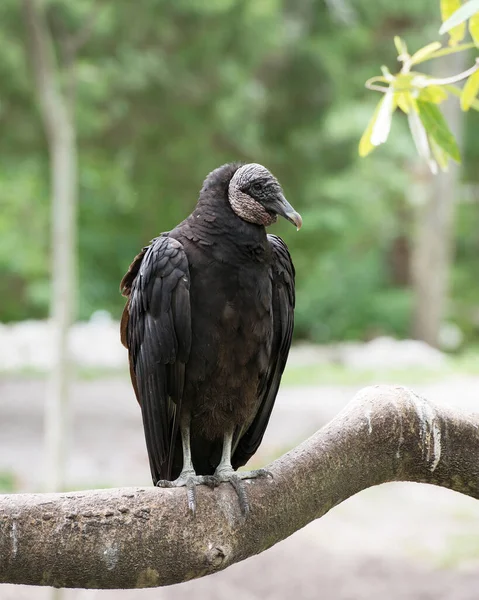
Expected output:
(28, 346)
(394, 541)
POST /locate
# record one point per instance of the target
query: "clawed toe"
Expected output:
(191, 494)
(164, 483)
(237, 480)
(190, 481)
(257, 474)
(210, 480)
(240, 489)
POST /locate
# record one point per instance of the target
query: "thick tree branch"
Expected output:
(126, 538)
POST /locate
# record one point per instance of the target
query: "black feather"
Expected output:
(208, 326)
(152, 338)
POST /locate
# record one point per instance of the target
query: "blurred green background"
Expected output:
(167, 91)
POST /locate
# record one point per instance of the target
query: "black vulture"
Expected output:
(208, 325)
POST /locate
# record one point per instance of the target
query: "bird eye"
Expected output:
(256, 187)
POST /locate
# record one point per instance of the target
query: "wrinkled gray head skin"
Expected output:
(256, 196)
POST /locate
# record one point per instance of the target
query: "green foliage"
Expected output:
(436, 126)
(455, 15)
(8, 483)
(471, 90)
(354, 301)
(456, 28)
(338, 374)
(416, 94)
(167, 91)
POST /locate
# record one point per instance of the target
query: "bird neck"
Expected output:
(214, 222)
(218, 219)
(219, 233)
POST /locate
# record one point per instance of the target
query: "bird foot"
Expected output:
(236, 479)
(190, 480)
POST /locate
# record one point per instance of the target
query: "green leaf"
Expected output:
(400, 45)
(424, 53)
(442, 158)
(379, 126)
(458, 92)
(403, 100)
(470, 91)
(403, 82)
(437, 128)
(365, 146)
(474, 28)
(433, 93)
(457, 31)
(382, 125)
(419, 136)
(449, 50)
(459, 16)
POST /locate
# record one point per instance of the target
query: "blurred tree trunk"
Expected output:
(56, 108)
(434, 198)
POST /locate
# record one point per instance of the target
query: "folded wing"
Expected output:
(283, 300)
(156, 329)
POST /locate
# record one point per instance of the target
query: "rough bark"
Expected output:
(145, 537)
(57, 117)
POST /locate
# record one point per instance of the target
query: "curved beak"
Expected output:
(283, 208)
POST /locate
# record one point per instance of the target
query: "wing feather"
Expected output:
(283, 301)
(156, 328)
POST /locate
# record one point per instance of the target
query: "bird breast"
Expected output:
(232, 331)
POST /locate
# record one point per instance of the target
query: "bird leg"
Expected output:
(188, 477)
(225, 473)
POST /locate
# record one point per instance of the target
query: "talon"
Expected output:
(164, 483)
(236, 479)
(211, 481)
(240, 490)
(258, 474)
(189, 480)
(191, 494)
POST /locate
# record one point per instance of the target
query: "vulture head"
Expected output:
(256, 196)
